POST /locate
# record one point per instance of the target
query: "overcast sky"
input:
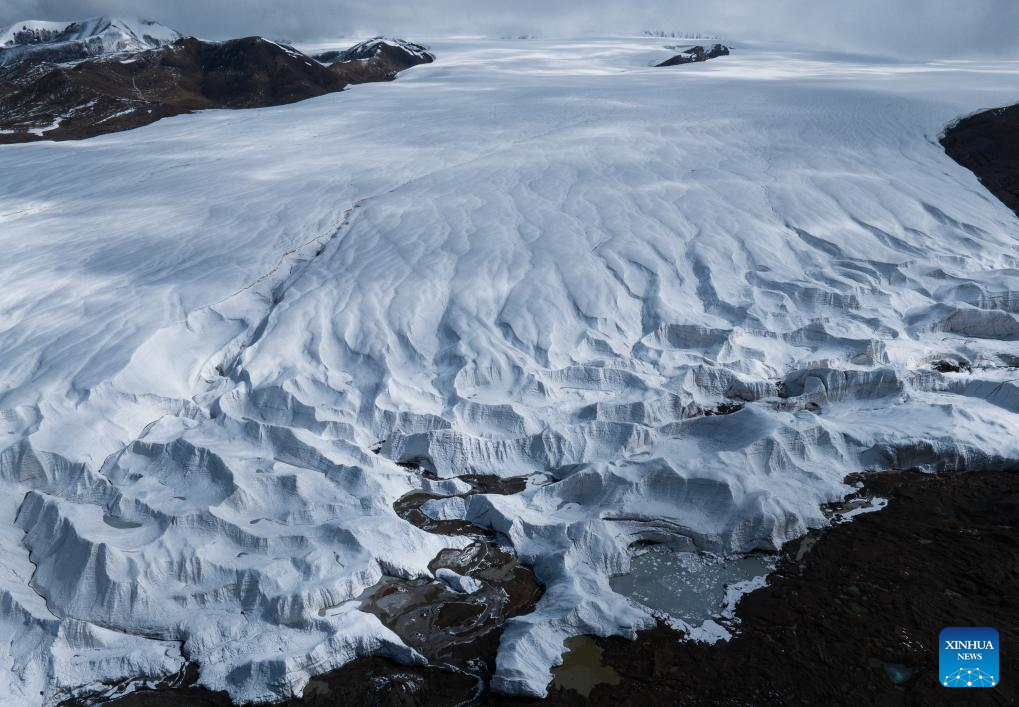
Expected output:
(905, 27)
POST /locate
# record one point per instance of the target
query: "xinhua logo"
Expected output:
(968, 657)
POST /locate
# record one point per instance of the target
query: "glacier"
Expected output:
(532, 257)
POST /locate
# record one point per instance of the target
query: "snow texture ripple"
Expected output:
(530, 257)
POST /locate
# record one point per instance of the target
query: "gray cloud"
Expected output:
(901, 27)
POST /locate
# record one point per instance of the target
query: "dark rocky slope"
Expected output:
(46, 101)
(988, 144)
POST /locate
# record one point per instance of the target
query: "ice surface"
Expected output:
(536, 256)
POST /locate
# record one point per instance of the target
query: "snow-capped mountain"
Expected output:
(684, 304)
(385, 46)
(72, 41)
(61, 101)
(377, 58)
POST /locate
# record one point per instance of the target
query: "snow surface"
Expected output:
(531, 256)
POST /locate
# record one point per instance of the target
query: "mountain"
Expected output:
(396, 50)
(377, 59)
(59, 101)
(37, 40)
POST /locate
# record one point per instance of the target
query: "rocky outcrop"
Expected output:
(695, 54)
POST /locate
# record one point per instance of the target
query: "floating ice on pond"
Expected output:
(689, 587)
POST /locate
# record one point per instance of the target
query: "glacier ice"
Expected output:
(539, 258)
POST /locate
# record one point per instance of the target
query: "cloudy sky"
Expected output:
(905, 27)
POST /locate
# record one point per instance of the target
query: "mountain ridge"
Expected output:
(47, 99)
(42, 40)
